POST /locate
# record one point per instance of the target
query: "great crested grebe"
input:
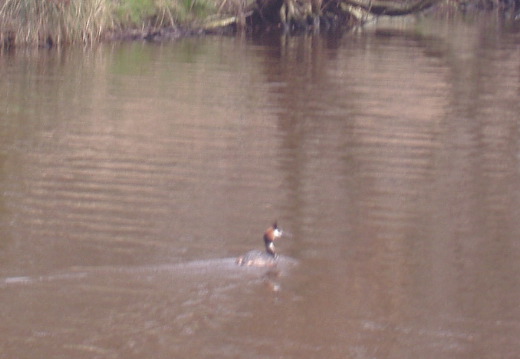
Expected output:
(263, 259)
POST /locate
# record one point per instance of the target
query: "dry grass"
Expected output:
(54, 22)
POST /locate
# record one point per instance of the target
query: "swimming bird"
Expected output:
(268, 258)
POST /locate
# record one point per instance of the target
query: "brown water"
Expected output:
(132, 175)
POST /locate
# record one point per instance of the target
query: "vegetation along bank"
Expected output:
(57, 22)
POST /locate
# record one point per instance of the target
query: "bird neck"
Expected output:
(269, 246)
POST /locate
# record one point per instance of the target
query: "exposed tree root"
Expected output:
(293, 15)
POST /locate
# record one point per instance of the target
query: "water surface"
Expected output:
(133, 174)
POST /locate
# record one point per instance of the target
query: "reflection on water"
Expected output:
(133, 174)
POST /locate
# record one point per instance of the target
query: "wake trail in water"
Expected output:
(219, 267)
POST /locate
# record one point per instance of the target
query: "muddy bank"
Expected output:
(153, 34)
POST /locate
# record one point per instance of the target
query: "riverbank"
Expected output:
(49, 23)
